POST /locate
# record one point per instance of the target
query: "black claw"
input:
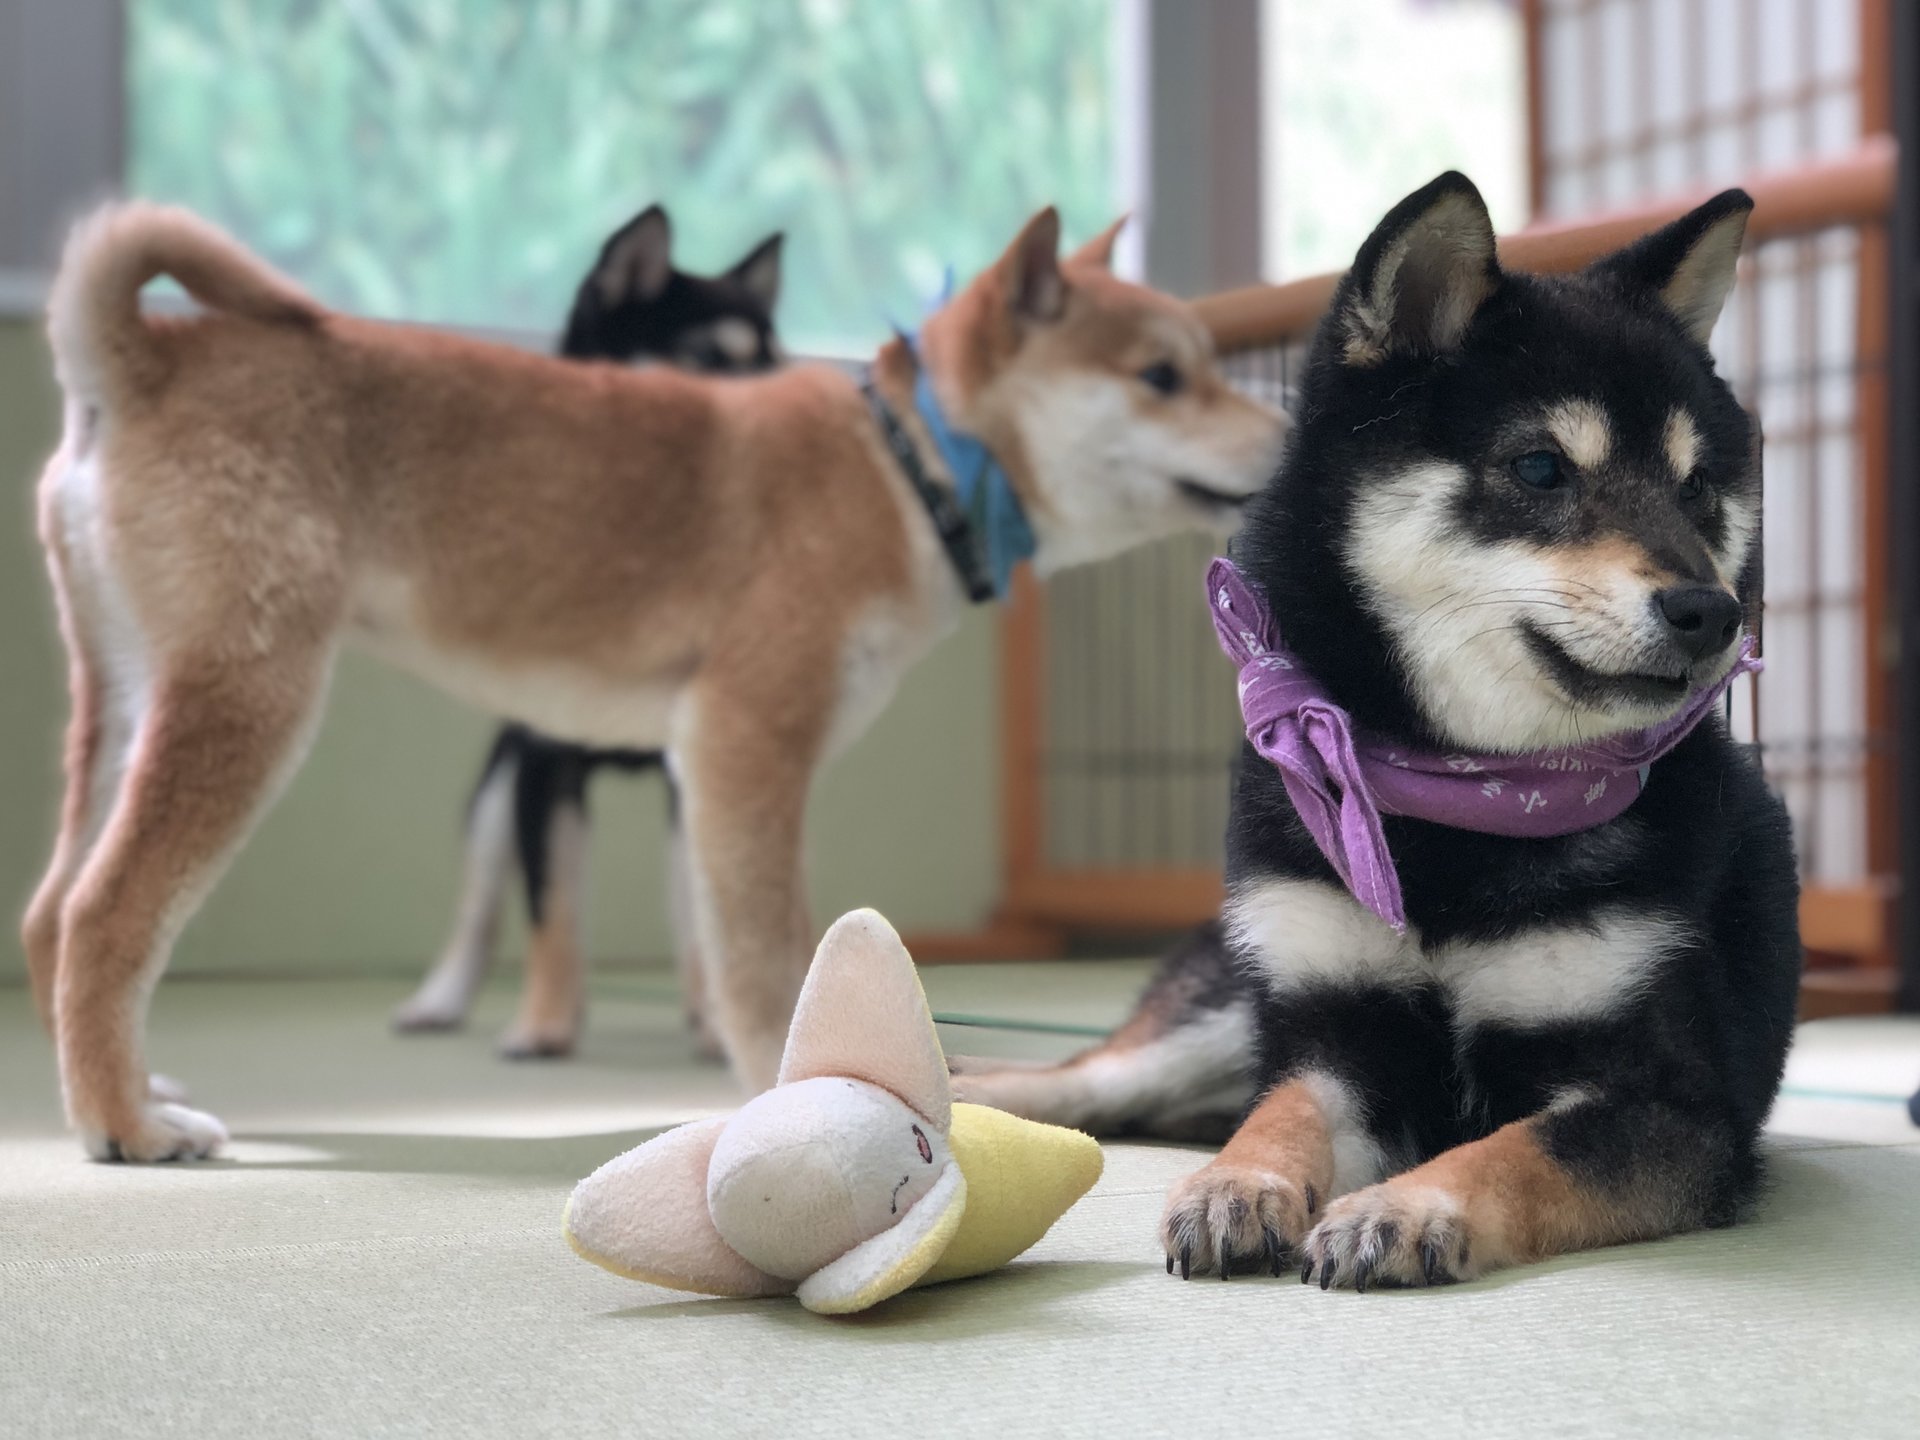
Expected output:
(1186, 1262)
(1226, 1268)
(1326, 1274)
(1306, 1271)
(1313, 1198)
(1169, 1262)
(1430, 1262)
(1276, 1252)
(1362, 1273)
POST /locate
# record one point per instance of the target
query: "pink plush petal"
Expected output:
(863, 1014)
(644, 1215)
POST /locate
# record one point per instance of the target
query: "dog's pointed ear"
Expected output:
(1421, 276)
(759, 273)
(1099, 250)
(638, 261)
(1030, 269)
(1688, 265)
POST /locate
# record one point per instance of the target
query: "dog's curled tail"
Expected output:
(103, 347)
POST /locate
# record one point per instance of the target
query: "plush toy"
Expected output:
(854, 1178)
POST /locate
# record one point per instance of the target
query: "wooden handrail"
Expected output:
(1850, 189)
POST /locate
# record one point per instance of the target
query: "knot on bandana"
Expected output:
(1341, 781)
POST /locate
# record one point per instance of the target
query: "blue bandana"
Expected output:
(987, 497)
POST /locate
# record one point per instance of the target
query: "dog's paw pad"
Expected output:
(1388, 1234)
(166, 1131)
(1226, 1219)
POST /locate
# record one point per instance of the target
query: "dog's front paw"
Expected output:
(1227, 1217)
(1396, 1234)
(163, 1131)
(431, 1008)
(538, 1042)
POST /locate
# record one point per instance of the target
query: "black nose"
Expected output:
(1701, 619)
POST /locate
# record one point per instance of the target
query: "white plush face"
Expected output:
(809, 1170)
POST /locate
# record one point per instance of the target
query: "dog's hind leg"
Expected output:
(95, 746)
(446, 994)
(213, 744)
(106, 686)
(1178, 1069)
(550, 820)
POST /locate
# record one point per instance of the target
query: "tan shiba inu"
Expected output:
(736, 571)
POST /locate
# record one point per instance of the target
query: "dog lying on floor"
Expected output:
(1511, 954)
(737, 570)
(529, 809)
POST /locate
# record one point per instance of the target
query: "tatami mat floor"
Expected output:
(380, 1255)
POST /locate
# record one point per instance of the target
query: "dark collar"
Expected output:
(956, 532)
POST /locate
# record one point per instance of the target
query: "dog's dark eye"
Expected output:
(1539, 470)
(1163, 377)
(1694, 485)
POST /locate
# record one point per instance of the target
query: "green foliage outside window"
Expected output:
(460, 160)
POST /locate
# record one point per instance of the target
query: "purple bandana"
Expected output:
(1341, 782)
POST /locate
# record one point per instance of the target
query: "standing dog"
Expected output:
(1515, 528)
(737, 570)
(530, 806)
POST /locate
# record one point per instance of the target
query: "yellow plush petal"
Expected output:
(1021, 1177)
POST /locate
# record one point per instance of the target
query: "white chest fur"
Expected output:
(1304, 934)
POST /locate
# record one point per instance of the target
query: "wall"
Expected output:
(357, 866)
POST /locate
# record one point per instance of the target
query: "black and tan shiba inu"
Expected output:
(529, 809)
(1518, 518)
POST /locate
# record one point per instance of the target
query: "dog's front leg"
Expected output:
(553, 992)
(214, 744)
(686, 939)
(745, 763)
(1249, 1209)
(1590, 1173)
(447, 993)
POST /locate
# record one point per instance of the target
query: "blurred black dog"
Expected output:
(530, 806)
